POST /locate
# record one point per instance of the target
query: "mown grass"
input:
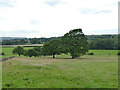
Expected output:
(97, 71)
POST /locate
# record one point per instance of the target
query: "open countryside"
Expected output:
(59, 44)
(97, 71)
(51, 67)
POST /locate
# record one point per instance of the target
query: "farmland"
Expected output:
(97, 71)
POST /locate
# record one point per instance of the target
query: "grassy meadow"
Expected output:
(89, 71)
(8, 51)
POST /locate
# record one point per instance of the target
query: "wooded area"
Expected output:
(95, 41)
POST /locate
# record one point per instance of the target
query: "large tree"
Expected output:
(52, 47)
(75, 43)
(18, 50)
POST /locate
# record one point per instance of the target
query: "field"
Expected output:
(97, 71)
(8, 51)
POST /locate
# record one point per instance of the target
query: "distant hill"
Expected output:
(90, 37)
(11, 38)
(104, 36)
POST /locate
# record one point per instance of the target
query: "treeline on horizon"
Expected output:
(95, 41)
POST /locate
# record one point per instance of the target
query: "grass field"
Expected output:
(97, 71)
(8, 51)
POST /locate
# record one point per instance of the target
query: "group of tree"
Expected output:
(14, 42)
(74, 42)
(24, 41)
(95, 41)
(104, 36)
(105, 44)
(36, 51)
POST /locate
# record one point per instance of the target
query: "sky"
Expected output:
(53, 18)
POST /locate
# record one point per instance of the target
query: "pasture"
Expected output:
(89, 71)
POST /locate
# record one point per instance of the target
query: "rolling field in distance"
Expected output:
(97, 71)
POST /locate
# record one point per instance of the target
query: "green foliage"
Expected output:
(52, 47)
(104, 44)
(25, 53)
(107, 36)
(23, 41)
(75, 43)
(8, 52)
(108, 41)
(38, 51)
(35, 41)
(14, 42)
(32, 52)
(18, 50)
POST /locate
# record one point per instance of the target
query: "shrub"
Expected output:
(2, 53)
(118, 53)
(91, 53)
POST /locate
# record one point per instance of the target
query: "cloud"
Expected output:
(102, 11)
(2, 18)
(19, 33)
(87, 10)
(106, 31)
(7, 3)
(52, 2)
(93, 11)
(48, 18)
(34, 22)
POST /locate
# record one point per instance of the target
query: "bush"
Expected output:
(91, 53)
(2, 53)
(118, 53)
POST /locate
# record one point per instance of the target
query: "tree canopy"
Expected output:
(75, 43)
(52, 47)
(18, 50)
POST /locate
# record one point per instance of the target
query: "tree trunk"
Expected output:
(73, 57)
(19, 55)
(53, 55)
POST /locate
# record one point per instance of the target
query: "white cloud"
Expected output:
(50, 18)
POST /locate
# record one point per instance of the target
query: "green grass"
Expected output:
(97, 71)
(7, 51)
(59, 73)
(104, 52)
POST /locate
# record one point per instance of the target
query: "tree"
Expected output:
(18, 50)
(38, 51)
(52, 47)
(25, 53)
(32, 52)
(75, 43)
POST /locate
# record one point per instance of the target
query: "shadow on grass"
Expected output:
(70, 57)
(61, 57)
